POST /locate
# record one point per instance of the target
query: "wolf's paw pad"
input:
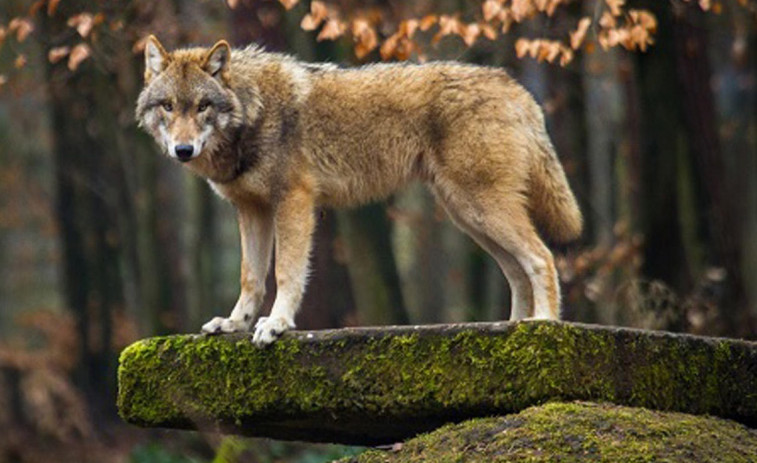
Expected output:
(268, 329)
(224, 325)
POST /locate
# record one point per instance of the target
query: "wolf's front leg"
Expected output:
(256, 231)
(294, 223)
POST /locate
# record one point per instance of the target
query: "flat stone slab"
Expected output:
(386, 384)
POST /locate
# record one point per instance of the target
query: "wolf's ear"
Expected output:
(156, 58)
(217, 60)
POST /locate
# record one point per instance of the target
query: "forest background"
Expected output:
(650, 104)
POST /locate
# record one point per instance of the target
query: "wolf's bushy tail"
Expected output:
(552, 204)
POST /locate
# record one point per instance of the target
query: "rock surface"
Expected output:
(579, 432)
(383, 385)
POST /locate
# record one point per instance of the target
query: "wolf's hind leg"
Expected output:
(514, 232)
(256, 232)
(520, 286)
(294, 223)
(500, 223)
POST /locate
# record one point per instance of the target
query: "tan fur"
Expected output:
(284, 137)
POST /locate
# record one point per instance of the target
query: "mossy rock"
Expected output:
(579, 432)
(383, 385)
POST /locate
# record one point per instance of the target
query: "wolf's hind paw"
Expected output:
(224, 325)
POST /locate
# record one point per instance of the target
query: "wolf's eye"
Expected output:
(202, 107)
(168, 106)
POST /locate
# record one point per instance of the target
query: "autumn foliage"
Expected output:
(395, 34)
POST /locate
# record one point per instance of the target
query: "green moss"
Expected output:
(571, 432)
(354, 386)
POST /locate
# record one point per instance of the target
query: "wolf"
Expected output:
(279, 138)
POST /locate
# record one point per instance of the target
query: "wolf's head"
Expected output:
(187, 103)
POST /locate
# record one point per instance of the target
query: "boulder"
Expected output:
(369, 386)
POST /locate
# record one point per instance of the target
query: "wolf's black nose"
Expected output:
(184, 152)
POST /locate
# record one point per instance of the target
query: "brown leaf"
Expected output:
(364, 36)
(3, 80)
(408, 27)
(447, 25)
(490, 9)
(405, 48)
(389, 47)
(551, 51)
(19, 62)
(52, 7)
(319, 10)
(470, 33)
(58, 53)
(522, 47)
(139, 45)
(615, 6)
(289, 4)
(22, 27)
(522, 9)
(318, 13)
(36, 6)
(332, 30)
(3, 33)
(607, 21)
(567, 56)
(427, 22)
(644, 18)
(705, 5)
(83, 22)
(79, 53)
(232, 3)
(506, 17)
(488, 31)
(577, 36)
(552, 6)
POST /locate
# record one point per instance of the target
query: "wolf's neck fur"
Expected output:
(270, 88)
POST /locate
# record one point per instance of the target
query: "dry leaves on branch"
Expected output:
(577, 36)
(397, 46)
(448, 25)
(522, 9)
(470, 33)
(84, 22)
(58, 53)
(78, 54)
(332, 30)
(364, 36)
(22, 27)
(491, 9)
(544, 50)
(635, 34)
(427, 22)
(616, 6)
(318, 12)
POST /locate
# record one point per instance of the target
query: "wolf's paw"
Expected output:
(268, 329)
(224, 325)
